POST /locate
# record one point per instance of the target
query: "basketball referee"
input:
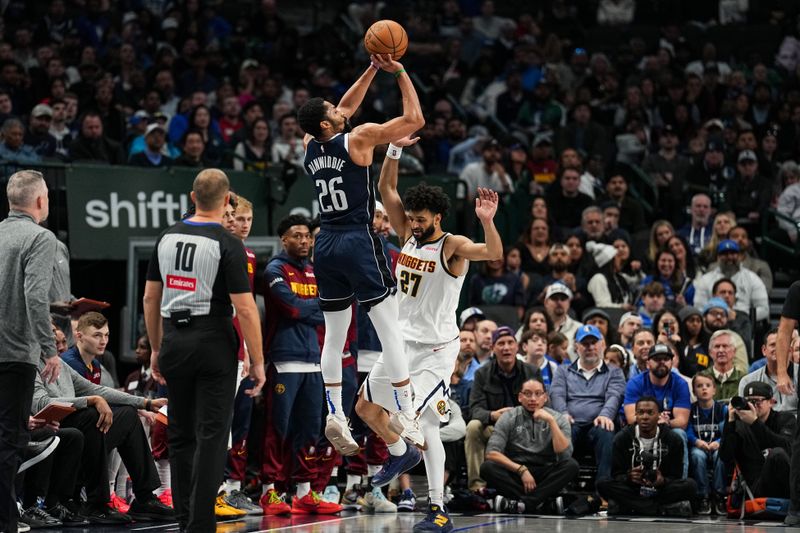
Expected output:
(197, 270)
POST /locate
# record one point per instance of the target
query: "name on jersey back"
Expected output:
(325, 161)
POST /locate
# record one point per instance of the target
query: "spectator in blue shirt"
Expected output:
(12, 148)
(668, 388)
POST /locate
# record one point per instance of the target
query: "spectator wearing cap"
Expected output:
(668, 168)
(590, 393)
(759, 441)
(726, 377)
(565, 201)
(543, 161)
(488, 173)
(469, 318)
(582, 133)
(697, 232)
(750, 259)
(768, 373)
(598, 318)
(38, 132)
(750, 290)
(693, 348)
(711, 175)
(725, 289)
(92, 145)
(749, 193)
(13, 147)
(494, 391)
(557, 299)
(631, 213)
(668, 388)
(155, 139)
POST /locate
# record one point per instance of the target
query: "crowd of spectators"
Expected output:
(634, 304)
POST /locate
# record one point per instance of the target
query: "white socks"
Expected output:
(352, 481)
(398, 448)
(336, 325)
(434, 456)
(303, 488)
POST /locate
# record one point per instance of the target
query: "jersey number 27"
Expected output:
(338, 199)
(409, 283)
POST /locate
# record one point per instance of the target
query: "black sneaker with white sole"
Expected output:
(37, 451)
(38, 518)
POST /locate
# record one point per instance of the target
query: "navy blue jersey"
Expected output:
(345, 190)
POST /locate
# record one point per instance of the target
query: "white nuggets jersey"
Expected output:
(429, 293)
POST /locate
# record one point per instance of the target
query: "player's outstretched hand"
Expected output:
(486, 204)
(385, 62)
(406, 141)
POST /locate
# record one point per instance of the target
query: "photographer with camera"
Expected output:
(647, 467)
(759, 440)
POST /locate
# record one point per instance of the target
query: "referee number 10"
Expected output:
(409, 283)
(184, 256)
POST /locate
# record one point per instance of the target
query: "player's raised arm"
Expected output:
(463, 247)
(387, 186)
(412, 120)
(351, 100)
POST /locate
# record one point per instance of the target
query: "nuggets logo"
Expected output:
(280, 388)
(250, 268)
(441, 406)
(702, 359)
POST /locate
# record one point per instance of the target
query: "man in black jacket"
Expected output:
(494, 391)
(647, 468)
(750, 432)
(91, 145)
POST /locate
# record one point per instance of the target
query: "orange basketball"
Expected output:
(386, 37)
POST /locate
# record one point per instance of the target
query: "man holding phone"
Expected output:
(759, 439)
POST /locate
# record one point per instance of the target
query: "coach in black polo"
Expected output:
(197, 270)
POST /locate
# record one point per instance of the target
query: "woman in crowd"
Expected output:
(536, 319)
(609, 287)
(686, 264)
(254, 152)
(693, 348)
(678, 289)
(200, 118)
(513, 256)
(660, 233)
(534, 244)
(618, 356)
(724, 222)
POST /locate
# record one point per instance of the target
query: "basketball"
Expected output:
(386, 37)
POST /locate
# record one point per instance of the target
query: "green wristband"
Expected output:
(397, 74)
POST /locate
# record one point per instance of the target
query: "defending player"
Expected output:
(430, 272)
(349, 261)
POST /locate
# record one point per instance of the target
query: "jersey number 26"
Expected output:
(338, 199)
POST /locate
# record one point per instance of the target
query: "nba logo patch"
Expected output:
(280, 388)
(441, 407)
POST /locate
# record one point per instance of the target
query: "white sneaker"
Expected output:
(406, 424)
(376, 502)
(408, 500)
(338, 434)
(22, 527)
(331, 494)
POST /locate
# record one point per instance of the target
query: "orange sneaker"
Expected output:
(118, 503)
(311, 503)
(273, 504)
(166, 497)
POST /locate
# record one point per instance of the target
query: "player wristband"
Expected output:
(394, 152)
(397, 74)
(373, 65)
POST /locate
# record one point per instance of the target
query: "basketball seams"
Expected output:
(375, 36)
(376, 43)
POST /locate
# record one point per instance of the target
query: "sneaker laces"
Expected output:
(315, 497)
(274, 497)
(377, 494)
(37, 513)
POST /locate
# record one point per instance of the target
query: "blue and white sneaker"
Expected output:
(396, 465)
(407, 502)
(437, 520)
(331, 494)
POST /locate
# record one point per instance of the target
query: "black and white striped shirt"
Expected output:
(200, 264)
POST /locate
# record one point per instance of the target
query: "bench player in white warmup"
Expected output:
(430, 273)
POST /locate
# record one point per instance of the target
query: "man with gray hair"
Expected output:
(697, 232)
(27, 255)
(13, 147)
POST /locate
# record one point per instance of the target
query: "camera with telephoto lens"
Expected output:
(739, 403)
(649, 463)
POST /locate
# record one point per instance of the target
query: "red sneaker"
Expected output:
(273, 504)
(118, 503)
(166, 497)
(311, 503)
